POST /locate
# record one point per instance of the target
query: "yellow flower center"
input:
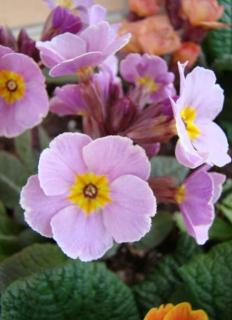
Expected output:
(188, 115)
(84, 73)
(12, 86)
(148, 83)
(180, 194)
(90, 192)
(66, 3)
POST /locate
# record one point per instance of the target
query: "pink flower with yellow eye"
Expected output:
(181, 311)
(23, 97)
(201, 140)
(89, 193)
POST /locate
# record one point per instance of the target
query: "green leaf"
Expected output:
(168, 166)
(35, 258)
(83, 291)
(158, 287)
(25, 151)
(218, 44)
(44, 138)
(208, 278)
(220, 230)
(161, 227)
(13, 176)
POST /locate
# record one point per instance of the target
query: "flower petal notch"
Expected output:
(91, 193)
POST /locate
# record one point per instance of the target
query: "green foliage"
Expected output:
(221, 230)
(208, 278)
(168, 166)
(218, 45)
(159, 285)
(9, 231)
(35, 258)
(161, 227)
(25, 152)
(75, 290)
(13, 176)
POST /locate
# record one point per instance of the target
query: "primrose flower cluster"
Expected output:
(94, 187)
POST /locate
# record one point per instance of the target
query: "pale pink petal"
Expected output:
(65, 46)
(61, 162)
(128, 217)
(67, 100)
(71, 66)
(213, 143)
(218, 180)
(128, 67)
(200, 233)
(4, 50)
(187, 159)
(79, 235)
(115, 156)
(197, 207)
(199, 91)
(39, 209)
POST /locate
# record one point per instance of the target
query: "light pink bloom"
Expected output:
(149, 74)
(89, 193)
(79, 54)
(196, 198)
(200, 139)
(23, 96)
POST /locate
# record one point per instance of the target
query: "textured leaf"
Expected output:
(208, 277)
(33, 259)
(75, 291)
(168, 166)
(161, 227)
(218, 44)
(159, 285)
(13, 176)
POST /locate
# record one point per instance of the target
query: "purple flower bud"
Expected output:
(59, 21)
(27, 46)
(7, 39)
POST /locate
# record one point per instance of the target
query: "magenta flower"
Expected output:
(200, 139)
(196, 198)
(150, 76)
(79, 54)
(89, 193)
(23, 97)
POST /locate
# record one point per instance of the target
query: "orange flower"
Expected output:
(204, 13)
(159, 313)
(144, 8)
(153, 35)
(189, 51)
(181, 311)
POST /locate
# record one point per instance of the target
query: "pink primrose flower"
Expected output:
(89, 193)
(23, 96)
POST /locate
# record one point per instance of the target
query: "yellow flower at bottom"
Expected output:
(12, 86)
(182, 311)
(90, 192)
